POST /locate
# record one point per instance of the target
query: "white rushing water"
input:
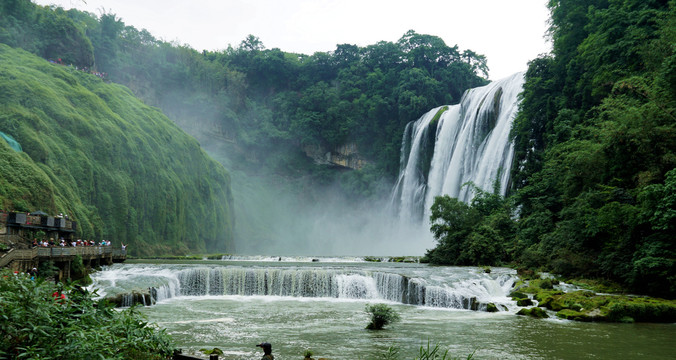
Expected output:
(234, 305)
(411, 284)
(468, 142)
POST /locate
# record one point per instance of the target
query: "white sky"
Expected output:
(508, 32)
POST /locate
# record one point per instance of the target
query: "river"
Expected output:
(319, 304)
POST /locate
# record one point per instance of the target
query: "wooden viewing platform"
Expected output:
(17, 230)
(92, 256)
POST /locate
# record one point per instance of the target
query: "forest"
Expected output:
(594, 180)
(271, 103)
(593, 184)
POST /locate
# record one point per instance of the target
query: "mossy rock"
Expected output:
(516, 295)
(576, 307)
(543, 295)
(626, 320)
(585, 300)
(546, 302)
(569, 314)
(519, 285)
(490, 307)
(535, 312)
(546, 284)
(599, 286)
(130, 299)
(525, 273)
(641, 309)
(524, 302)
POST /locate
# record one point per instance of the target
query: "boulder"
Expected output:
(535, 312)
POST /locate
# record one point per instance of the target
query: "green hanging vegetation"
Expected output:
(119, 168)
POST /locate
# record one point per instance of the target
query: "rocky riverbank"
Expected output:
(538, 294)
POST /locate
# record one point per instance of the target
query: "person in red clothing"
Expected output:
(59, 297)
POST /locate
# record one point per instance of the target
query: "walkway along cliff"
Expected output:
(15, 235)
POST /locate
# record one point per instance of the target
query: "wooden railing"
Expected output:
(14, 254)
(60, 252)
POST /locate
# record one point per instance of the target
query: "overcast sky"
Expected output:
(508, 32)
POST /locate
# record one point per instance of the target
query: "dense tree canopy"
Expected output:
(270, 107)
(263, 99)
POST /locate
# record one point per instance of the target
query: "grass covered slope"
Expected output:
(120, 168)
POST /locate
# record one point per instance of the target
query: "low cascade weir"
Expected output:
(452, 145)
(471, 294)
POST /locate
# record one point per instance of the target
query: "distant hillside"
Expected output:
(121, 169)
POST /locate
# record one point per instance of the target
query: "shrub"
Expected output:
(34, 315)
(381, 315)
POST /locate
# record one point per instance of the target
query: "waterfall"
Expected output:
(452, 145)
(317, 283)
(456, 288)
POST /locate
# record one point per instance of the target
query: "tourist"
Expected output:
(267, 350)
(33, 273)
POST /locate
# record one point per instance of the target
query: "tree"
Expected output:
(478, 233)
(251, 43)
(595, 142)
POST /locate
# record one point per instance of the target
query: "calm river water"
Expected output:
(297, 304)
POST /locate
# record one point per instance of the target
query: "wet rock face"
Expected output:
(145, 298)
(346, 156)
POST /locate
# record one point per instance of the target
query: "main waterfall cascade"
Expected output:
(461, 288)
(452, 145)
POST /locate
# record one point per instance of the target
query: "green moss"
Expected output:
(569, 314)
(584, 305)
(437, 116)
(599, 286)
(524, 302)
(542, 295)
(535, 312)
(546, 284)
(642, 309)
(490, 307)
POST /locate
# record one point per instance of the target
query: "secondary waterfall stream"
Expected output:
(452, 145)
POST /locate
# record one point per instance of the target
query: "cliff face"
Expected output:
(121, 169)
(346, 156)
